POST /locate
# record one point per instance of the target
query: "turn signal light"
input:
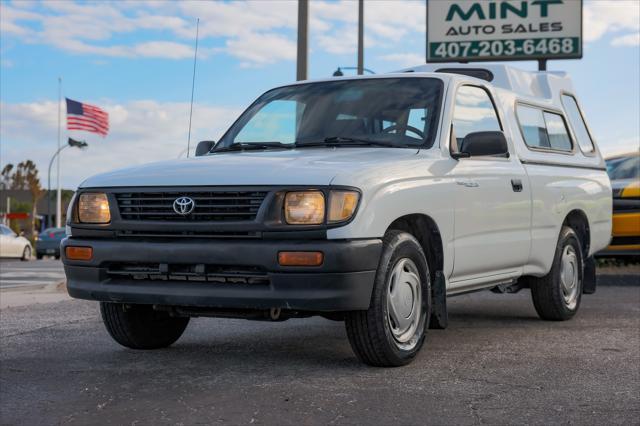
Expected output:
(300, 258)
(78, 253)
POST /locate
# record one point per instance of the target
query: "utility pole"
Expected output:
(360, 37)
(303, 39)
(59, 192)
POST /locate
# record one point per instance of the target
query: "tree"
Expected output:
(6, 180)
(25, 177)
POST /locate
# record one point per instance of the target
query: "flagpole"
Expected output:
(59, 192)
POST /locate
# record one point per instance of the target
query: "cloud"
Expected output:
(141, 131)
(260, 49)
(604, 17)
(627, 40)
(403, 60)
(256, 33)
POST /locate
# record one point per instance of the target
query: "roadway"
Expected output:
(14, 273)
(497, 363)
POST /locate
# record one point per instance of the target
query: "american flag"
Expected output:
(87, 117)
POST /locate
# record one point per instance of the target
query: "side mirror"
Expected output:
(204, 147)
(483, 144)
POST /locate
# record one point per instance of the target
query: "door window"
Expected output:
(473, 112)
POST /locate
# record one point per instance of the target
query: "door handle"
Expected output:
(516, 185)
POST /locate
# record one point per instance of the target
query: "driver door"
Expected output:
(492, 213)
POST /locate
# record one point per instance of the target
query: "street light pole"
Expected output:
(360, 37)
(49, 190)
(77, 144)
(303, 38)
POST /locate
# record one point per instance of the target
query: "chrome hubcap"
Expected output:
(569, 277)
(404, 303)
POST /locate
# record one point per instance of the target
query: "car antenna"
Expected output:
(193, 84)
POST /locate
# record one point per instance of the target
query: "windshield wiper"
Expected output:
(251, 146)
(343, 141)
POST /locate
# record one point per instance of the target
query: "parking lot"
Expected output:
(497, 363)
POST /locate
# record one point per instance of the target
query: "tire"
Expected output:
(140, 326)
(392, 331)
(557, 295)
(26, 254)
(39, 256)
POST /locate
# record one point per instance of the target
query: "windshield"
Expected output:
(624, 168)
(396, 112)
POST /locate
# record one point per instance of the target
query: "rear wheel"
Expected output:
(557, 295)
(392, 331)
(26, 254)
(141, 326)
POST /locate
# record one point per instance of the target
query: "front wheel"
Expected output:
(141, 326)
(557, 295)
(392, 331)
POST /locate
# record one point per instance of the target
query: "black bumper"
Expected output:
(48, 247)
(343, 282)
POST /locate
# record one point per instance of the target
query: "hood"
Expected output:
(309, 166)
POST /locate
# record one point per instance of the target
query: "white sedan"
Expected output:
(13, 245)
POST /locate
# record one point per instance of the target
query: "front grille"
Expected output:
(210, 206)
(187, 234)
(189, 272)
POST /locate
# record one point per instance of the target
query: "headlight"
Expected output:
(304, 208)
(342, 205)
(93, 208)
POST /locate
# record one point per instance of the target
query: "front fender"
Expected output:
(389, 200)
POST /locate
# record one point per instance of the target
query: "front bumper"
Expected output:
(343, 282)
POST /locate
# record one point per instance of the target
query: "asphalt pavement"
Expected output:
(15, 273)
(497, 363)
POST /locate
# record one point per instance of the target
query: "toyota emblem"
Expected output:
(183, 205)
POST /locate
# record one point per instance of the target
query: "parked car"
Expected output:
(13, 245)
(364, 199)
(48, 242)
(624, 172)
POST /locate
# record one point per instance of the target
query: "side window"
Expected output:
(275, 122)
(533, 127)
(557, 132)
(576, 121)
(543, 129)
(473, 112)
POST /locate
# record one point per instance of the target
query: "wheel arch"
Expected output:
(426, 231)
(578, 221)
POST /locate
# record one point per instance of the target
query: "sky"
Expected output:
(135, 60)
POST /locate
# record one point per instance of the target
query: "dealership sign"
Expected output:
(481, 30)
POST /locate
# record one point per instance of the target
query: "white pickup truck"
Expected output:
(367, 199)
